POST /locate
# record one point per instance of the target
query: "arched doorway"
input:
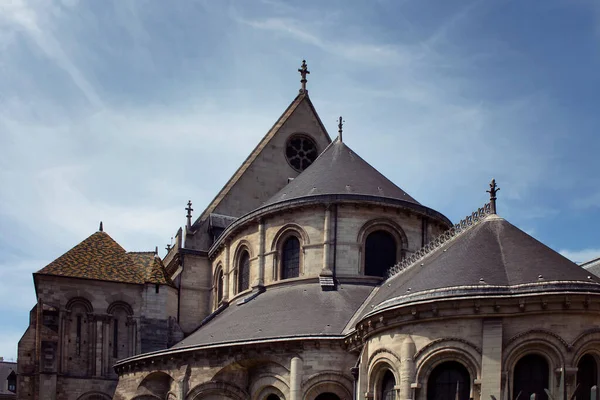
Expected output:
(387, 386)
(327, 396)
(449, 381)
(531, 375)
(587, 376)
(380, 253)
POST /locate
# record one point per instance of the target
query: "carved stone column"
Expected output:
(226, 269)
(296, 379)
(99, 342)
(261, 253)
(407, 368)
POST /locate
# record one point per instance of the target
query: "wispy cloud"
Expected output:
(581, 256)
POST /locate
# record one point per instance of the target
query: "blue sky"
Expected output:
(121, 111)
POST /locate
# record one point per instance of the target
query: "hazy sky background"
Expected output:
(121, 111)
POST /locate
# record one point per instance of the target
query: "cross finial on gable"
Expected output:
(340, 126)
(493, 190)
(189, 210)
(303, 72)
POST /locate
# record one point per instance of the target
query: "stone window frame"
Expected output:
(281, 237)
(327, 381)
(300, 135)
(381, 224)
(377, 370)
(551, 354)
(587, 343)
(242, 246)
(218, 271)
(441, 353)
(110, 310)
(77, 319)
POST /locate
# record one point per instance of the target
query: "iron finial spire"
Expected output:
(340, 128)
(303, 72)
(189, 210)
(493, 190)
(101, 228)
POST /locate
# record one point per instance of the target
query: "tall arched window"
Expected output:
(380, 253)
(244, 272)
(387, 386)
(449, 381)
(290, 258)
(78, 344)
(587, 376)
(531, 375)
(219, 289)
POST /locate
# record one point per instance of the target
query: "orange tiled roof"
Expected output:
(100, 257)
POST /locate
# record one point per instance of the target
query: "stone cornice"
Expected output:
(471, 307)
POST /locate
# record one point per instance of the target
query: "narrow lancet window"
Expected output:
(290, 258)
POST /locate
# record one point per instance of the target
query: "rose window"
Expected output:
(300, 152)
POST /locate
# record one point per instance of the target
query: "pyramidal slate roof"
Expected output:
(339, 170)
(100, 257)
(491, 254)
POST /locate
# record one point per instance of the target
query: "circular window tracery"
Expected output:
(300, 152)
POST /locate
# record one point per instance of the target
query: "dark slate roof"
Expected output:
(100, 257)
(283, 312)
(493, 249)
(593, 266)
(339, 170)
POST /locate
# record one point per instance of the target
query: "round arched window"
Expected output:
(587, 376)
(387, 386)
(531, 375)
(380, 253)
(449, 381)
(244, 272)
(300, 152)
(290, 258)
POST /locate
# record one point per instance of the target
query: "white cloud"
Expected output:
(581, 256)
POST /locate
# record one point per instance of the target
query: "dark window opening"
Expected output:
(380, 253)
(290, 258)
(273, 397)
(531, 375)
(244, 272)
(219, 287)
(327, 396)
(12, 382)
(449, 381)
(78, 336)
(387, 386)
(587, 376)
(116, 338)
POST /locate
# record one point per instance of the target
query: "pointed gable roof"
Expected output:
(99, 257)
(491, 255)
(339, 170)
(300, 99)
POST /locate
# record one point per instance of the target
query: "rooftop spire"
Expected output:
(493, 190)
(189, 210)
(303, 72)
(340, 128)
(101, 228)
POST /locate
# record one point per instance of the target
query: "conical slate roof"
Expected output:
(339, 170)
(494, 255)
(99, 257)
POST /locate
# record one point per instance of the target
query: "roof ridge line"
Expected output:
(456, 230)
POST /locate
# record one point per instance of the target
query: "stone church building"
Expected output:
(311, 276)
